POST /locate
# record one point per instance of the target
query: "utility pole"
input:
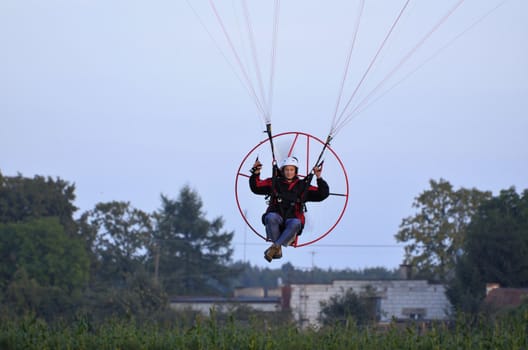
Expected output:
(245, 235)
(156, 263)
(313, 264)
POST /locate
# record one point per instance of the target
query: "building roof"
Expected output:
(223, 300)
(506, 296)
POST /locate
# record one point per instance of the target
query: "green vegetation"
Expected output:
(495, 250)
(116, 260)
(350, 306)
(436, 233)
(506, 332)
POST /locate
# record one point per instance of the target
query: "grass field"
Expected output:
(508, 332)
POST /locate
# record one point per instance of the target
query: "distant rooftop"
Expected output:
(501, 297)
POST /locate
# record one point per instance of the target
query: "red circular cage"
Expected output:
(296, 143)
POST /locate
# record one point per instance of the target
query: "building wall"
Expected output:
(401, 299)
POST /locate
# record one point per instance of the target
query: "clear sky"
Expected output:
(131, 99)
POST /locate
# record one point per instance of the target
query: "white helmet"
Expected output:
(290, 161)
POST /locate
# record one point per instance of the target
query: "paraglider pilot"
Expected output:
(284, 218)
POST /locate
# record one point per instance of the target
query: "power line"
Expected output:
(337, 245)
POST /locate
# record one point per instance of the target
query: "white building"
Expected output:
(399, 299)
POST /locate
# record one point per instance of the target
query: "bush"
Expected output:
(350, 307)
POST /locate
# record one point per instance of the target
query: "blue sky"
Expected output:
(130, 99)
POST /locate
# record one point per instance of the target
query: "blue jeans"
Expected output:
(273, 222)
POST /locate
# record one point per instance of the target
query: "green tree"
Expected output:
(43, 263)
(194, 253)
(45, 252)
(496, 250)
(120, 238)
(436, 233)
(25, 199)
(26, 296)
(362, 307)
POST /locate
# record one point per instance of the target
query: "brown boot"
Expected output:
(270, 252)
(278, 253)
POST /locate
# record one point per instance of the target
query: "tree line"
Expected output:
(116, 259)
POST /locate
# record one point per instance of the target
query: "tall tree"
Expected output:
(436, 233)
(193, 253)
(119, 236)
(43, 264)
(496, 250)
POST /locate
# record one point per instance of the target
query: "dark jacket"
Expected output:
(286, 199)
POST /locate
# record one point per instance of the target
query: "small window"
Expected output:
(414, 316)
(414, 313)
